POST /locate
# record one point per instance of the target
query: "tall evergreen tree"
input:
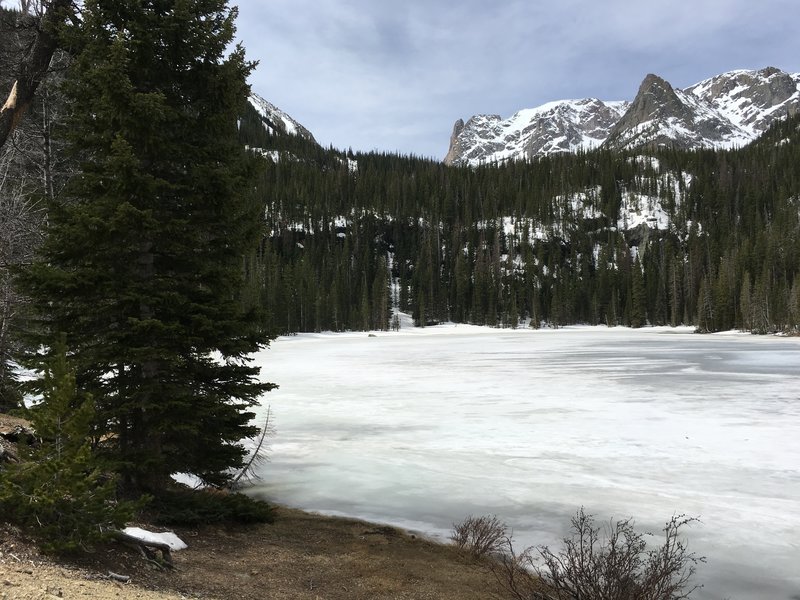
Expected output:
(143, 267)
(638, 318)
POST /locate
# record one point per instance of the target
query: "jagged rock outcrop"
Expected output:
(661, 115)
(728, 110)
(455, 143)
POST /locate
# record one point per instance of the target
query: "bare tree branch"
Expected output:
(258, 455)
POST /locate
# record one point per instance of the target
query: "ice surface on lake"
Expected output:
(423, 427)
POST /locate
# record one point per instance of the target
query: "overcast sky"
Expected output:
(394, 76)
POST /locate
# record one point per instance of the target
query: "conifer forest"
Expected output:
(654, 236)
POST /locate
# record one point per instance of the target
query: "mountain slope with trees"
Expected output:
(669, 236)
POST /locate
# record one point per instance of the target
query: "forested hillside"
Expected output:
(708, 238)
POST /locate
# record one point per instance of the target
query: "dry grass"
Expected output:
(301, 555)
(310, 556)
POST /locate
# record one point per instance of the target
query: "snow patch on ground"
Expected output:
(188, 479)
(166, 537)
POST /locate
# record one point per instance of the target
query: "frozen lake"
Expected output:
(422, 427)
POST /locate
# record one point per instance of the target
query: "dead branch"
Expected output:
(258, 455)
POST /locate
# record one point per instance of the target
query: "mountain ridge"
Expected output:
(724, 111)
(278, 121)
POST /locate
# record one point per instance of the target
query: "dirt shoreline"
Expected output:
(302, 555)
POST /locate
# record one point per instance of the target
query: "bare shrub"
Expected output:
(614, 566)
(514, 571)
(480, 536)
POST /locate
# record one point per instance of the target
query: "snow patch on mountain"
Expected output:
(272, 155)
(580, 204)
(752, 100)
(641, 209)
(277, 121)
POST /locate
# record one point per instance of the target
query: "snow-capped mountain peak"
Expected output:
(663, 115)
(277, 120)
(725, 111)
(561, 126)
(753, 100)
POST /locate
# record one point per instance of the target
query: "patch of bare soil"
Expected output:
(301, 555)
(26, 575)
(7, 423)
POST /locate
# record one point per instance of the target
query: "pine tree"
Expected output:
(638, 317)
(59, 493)
(705, 308)
(794, 305)
(143, 267)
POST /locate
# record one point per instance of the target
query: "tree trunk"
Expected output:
(33, 66)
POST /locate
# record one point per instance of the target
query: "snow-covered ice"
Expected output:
(423, 427)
